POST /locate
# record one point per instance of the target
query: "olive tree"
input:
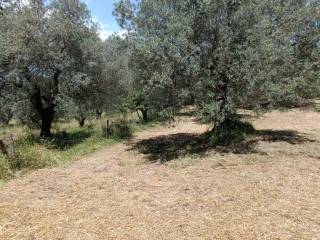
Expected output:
(112, 88)
(225, 55)
(47, 54)
(6, 102)
(159, 46)
(247, 55)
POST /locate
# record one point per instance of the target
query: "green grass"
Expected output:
(68, 143)
(143, 126)
(90, 145)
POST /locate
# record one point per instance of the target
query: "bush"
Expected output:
(122, 130)
(117, 130)
(232, 132)
(27, 154)
(5, 171)
(31, 158)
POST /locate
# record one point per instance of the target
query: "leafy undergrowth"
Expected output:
(232, 132)
(29, 152)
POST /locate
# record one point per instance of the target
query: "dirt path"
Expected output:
(116, 193)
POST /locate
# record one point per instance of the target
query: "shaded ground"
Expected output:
(64, 140)
(117, 193)
(170, 147)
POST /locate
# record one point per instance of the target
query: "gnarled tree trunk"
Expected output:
(46, 112)
(224, 115)
(47, 115)
(45, 105)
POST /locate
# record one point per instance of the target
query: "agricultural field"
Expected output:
(166, 184)
(158, 119)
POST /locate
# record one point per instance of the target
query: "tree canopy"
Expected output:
(49, 52)
(217, 55)
(224, 55)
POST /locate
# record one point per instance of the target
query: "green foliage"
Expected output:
(55, 54)
(25, 113)
(122, 130)
(138, 102)
(231, 132)
(156, 51)
(5, 110)
(223, 55)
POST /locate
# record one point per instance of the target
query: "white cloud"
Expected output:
(105, 30)
(104, 33)
(86, 1)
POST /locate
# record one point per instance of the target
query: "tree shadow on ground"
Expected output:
(289, 136)
(166, 148)
(64, 140)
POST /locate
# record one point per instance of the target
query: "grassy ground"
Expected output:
(166, 183)
(68, 142)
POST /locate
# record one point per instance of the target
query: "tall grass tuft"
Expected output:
(32, 157)
(5, 170)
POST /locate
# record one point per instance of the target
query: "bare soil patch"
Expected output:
(123, 192)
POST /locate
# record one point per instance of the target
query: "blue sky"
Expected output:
(101, 11)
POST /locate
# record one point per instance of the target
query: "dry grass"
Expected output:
(118, 193)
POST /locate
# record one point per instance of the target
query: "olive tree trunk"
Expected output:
(81, 121)
(145, 115)
(46, 112)
(46, 122)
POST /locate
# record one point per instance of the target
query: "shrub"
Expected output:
(122, 130)
(118, 130)
(28, 155)
(5, 171)
(106, 129)
(232, 132)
